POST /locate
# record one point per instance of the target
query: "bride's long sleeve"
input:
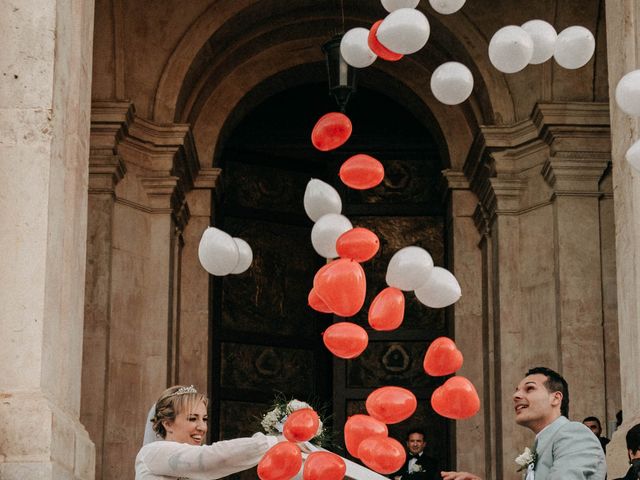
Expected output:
(205, 462)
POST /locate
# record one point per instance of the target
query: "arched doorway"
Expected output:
(265, 338)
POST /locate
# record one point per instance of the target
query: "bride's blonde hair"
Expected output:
(173, 401)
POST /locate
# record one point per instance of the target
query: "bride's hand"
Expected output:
(458, 476)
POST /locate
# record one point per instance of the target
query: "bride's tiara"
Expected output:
(184, 391)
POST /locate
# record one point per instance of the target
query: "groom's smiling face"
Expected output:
(535, 406)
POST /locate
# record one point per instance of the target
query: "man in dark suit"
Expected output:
(418, 465)
(593, 423)
(633, 449)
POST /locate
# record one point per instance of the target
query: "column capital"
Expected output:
(167, 196)
(110, 121)
(576, 176)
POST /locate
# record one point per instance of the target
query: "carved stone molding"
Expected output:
(109, 124)
(167, 196)
(164, 154)
(208, 178)
(105, 171)
(575, 176)
(569, 142)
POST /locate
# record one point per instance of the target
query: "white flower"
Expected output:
(271, 420)
(294, 405)
(415, 468)
(526, 458)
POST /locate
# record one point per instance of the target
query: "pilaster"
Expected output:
(623, 31)
(465, 261)
(539, 188)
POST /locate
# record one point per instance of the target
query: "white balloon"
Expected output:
(628, 93)
(452, 83)
(321, 198)
(354, 48)
(392, 5)
(245, 256)
(446, 7)
(633, 156)
(510, 49)
(544, 40)
(409, 268)
(574, 47)
(326, 231)
(441, 290)
(218, 253)
(404, 31)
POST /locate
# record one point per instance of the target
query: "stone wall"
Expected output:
(44, 117)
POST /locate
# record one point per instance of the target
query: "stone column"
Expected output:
(623, 52)
(44, 147)
(466, 262)
(580, 152)
(539, 186)
(109, 123)
(133, 299)
(194, 337)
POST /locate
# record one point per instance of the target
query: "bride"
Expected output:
(176, 429)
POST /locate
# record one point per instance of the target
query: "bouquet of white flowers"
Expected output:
(273, 420)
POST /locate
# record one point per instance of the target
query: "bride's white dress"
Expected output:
(172, 460)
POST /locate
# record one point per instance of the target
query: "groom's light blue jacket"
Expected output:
(568, 451)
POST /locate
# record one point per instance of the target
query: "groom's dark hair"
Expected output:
(555, 383)
(633, 439)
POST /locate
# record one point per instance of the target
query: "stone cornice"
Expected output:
(109, 124)
(571, 138)
(165, 154)
(577, 176)
(160, 147)
(105, 171)
(167, 196)
(208, 178)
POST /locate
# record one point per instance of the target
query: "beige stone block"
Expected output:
(85, 458)
(63, 441)
(26, 471)
(16, 431)
(26, 67)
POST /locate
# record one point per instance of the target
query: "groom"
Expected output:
(564, 450)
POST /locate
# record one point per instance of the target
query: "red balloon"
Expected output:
(342, 286)
(331, 131)
(359, 244)
(324, 466)
(456, 398)
(358, 427)
(316, 302)
(442, 357)
(387, 310)
(361, 172)
(345, 339)
(281, 462)
(301, 425)
(382, 454)
(379, 49)
(391, 404)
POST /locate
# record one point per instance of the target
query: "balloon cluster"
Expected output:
(512, 48)
(403, 31)
(339, 287)
(628, 99)
(220, 254)
(284, 460)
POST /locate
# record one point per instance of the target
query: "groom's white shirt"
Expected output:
(568, 451)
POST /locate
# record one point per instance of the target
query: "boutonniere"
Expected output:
(416, 468)
(526, 458)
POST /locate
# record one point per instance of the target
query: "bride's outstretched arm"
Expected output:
(205, 462)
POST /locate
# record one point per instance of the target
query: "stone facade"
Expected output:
(535, 172)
